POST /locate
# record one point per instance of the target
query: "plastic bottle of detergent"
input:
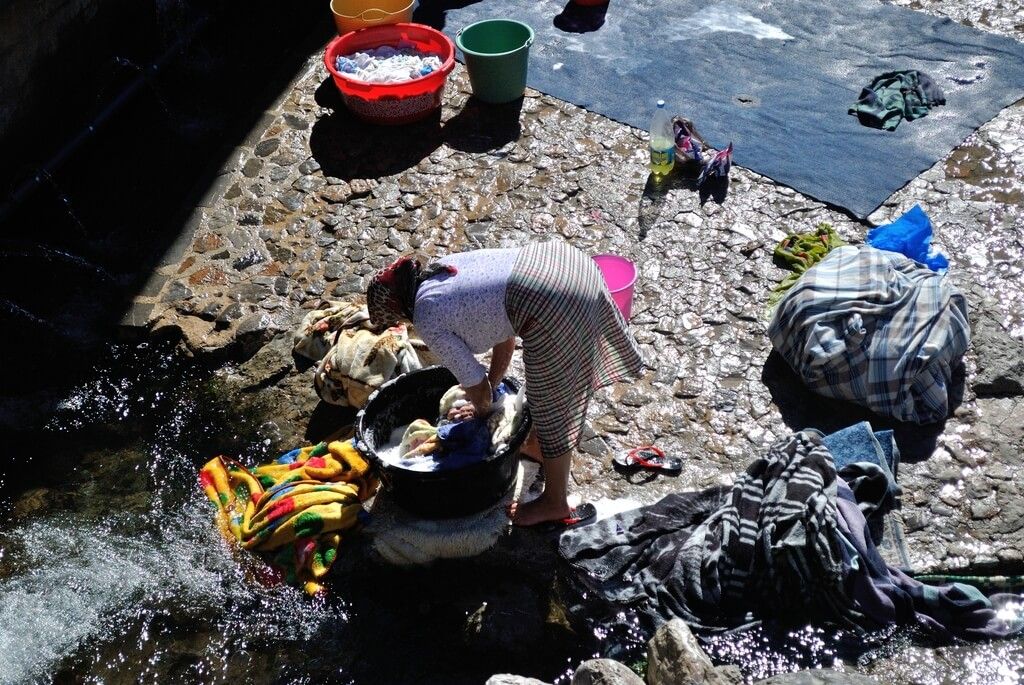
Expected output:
(663, 145)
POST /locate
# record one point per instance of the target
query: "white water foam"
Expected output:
(89, 583)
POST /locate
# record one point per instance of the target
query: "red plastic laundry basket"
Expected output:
(392, 103)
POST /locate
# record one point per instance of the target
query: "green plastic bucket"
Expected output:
(497, 52)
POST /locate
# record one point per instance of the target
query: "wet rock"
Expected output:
(334, 271)
(274, 360)
(1000, 359)
(730, 675)
(605, 672)
(335, 193)
(208, 275)
(510, 621)
(635, 397)
(308, 184)
(252, 167)
(207, 242)
(361, 187)
(278, 174)
(819, 677)
(675, 658)
(257, 324)
(296, 122)
(39, 501)
(292, 200)
(248, 259)
(176, 291)
(267, 147)
(508, 679)
(233, 312)
(309, 166)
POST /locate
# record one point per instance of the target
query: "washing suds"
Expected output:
(731, 19)
(607, 508)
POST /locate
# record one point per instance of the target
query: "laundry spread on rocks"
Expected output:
(877, 329)
(788, 541)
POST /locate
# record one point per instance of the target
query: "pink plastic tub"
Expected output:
(620, 276)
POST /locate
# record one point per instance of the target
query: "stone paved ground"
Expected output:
(318, 201)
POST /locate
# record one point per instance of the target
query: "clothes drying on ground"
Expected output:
(784, 542)
(798, 252)
(868, 461)
(355, 358)
(877, 329)
(886, 595)
(895, 96)
(319, 328)
(295, 509)
(911, 236)
(388, 64)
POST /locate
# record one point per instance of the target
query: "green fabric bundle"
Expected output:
(798, 252)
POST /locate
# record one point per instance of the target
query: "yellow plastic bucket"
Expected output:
(352, 15)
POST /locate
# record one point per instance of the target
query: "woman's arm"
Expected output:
(501, 356)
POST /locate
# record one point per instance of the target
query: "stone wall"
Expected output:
(55, 55)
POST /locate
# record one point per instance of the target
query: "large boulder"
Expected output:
(605, 672)
(509, 679)
(675, 658)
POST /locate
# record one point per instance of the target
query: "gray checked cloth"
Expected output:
(874, 328)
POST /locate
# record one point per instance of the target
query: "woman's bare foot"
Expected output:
(539, 511)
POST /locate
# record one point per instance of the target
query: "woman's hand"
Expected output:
(463, 412)
(478, 402)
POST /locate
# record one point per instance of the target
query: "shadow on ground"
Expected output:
(85, 240)
(580, 18)
(432, 12)
(349, 148)
(682, 177)
(800, 408)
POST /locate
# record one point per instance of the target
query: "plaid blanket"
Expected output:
(787, 541)
(768, 544)
(874, 328)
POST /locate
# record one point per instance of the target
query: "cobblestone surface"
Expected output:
(320, 201)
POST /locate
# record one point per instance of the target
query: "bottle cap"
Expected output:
(661, 103)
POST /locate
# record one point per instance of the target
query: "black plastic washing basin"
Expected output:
(434, 494)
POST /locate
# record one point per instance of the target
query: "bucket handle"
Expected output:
(528, 43)
(362, 16)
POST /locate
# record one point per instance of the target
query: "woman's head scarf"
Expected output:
(391, 295)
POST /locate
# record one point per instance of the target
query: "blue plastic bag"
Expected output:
(910, 235)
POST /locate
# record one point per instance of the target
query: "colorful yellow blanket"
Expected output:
(295, 508)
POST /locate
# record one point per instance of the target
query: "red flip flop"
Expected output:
(648, 457)
(580, 515)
